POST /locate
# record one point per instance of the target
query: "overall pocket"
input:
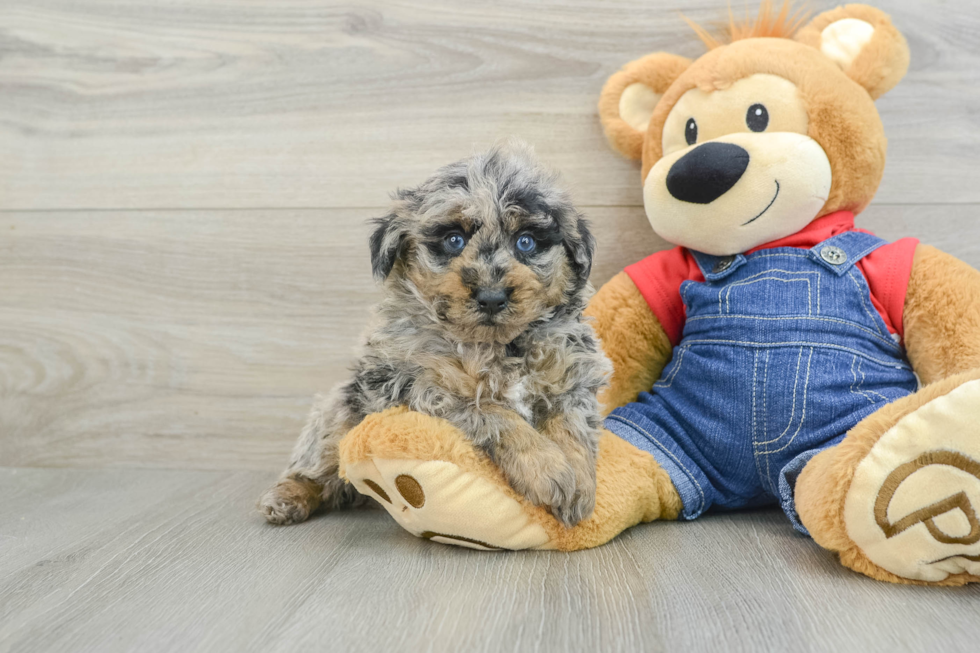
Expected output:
(784, 379)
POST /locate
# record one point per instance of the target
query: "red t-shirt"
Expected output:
(887, 270)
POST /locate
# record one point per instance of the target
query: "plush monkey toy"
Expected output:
(778, 354)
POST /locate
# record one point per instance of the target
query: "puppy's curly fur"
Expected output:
(518, 373)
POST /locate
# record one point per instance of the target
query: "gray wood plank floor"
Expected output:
(183, 263)
(178, 561)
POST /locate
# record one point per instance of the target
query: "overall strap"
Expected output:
(717, 267)
(842, 252)
(838, 254)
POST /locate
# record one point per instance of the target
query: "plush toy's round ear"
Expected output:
(863, 42)
(629, 97)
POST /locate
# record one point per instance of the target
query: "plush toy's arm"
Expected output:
(942, 315)
(631, 337)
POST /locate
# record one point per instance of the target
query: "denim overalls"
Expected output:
(782, 353)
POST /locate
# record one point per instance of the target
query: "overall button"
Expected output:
(833, 255)
(723, 264)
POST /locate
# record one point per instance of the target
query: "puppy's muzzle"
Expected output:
(491, 300)
(707, 172)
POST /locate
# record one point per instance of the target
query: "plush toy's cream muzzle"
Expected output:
(730, 194)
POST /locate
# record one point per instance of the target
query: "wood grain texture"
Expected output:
(178, 561)
(316, 103)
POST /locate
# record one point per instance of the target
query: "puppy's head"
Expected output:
(487, 246)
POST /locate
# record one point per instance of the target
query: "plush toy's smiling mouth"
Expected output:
(767, 206)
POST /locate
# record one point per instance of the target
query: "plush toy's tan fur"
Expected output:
(631, 337)
(942, 315)
(656, 71)
(882, 62)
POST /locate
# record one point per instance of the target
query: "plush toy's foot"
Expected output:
(899, 498)
(434, 483)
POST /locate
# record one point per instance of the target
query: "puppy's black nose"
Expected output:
(707, 172)
(491, 301)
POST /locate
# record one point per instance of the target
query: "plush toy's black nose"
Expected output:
(490, 301)
(707, 172)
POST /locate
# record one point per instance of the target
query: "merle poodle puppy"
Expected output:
(485, 269)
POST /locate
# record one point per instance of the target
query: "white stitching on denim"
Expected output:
(809, 291)
(755, 377)
(867, 250)
(864, 304)
(666, 451)
(785, 254)
(887, 341)
(669, 381)
(792, 410)
(765, 396)
(728, 291)
(806, 388)
(688, 342)
(858, 390)
(748, 281)
(685, 292)
(754, 278)
(855, 382)
(872, 392)
(768, 454)
(755, 365)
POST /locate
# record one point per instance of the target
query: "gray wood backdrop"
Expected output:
(184, 187)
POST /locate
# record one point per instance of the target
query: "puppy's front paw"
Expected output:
(581, 504)
(545, 477)
(290, 501)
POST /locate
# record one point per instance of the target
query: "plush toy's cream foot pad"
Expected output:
(438, 500)
(912, 506)
(436, 485)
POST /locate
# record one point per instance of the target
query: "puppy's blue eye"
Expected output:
(455, 243)
(526, 244)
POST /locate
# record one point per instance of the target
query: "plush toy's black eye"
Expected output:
(757, 118)
(691, 132)
(455, 242)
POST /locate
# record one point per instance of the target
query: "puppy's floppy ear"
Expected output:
(863, 41)
(630, 96)
(386, 243)
(580, 245)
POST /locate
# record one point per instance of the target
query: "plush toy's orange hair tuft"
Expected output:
(769, 23)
